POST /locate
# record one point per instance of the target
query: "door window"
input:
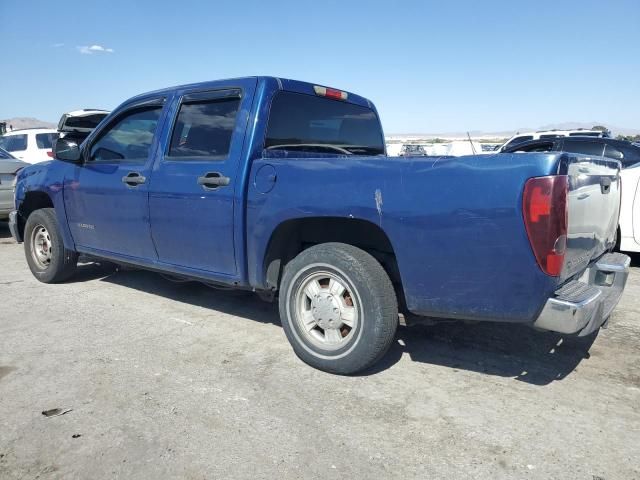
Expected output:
(45, 140)
(204, 129)
(129, 138)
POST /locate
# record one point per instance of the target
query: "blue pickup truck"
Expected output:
(284, 188)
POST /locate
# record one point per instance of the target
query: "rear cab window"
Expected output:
(13, 143)
(584, 147)
(515, 141)
(317, 125)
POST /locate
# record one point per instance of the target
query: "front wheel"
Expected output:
(338, 308)
(48, 259)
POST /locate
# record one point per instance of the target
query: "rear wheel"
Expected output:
(48, 259)
(338, 308)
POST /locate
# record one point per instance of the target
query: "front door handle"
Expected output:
(213, 180)
(133, 179)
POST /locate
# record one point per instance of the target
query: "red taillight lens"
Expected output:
(50, 153)
(330, 93)
(544, 207)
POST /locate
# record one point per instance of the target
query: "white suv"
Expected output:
(546, 134)
(31, 145)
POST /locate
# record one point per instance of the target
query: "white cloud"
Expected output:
(91, 49)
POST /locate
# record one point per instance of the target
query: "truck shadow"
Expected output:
(5, 234)
(499, 349)
(504, 350)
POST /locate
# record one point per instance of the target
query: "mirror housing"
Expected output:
(67, 151)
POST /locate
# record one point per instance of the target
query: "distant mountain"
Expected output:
(27, 122)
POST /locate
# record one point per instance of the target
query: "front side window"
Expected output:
(593, 149)
(311, 124)
(129, 139)
(204, 129)
(13, 143)
(45, 140)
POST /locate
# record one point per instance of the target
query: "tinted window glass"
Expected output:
(13, 143)
(586, 147)
(536, 147)
(543, 137)
(631, 155)
(307, 122)
(45, 140)
(585, 134)
(518, 140)
(613, 152)
(129, 138)
(204, 129)
(88, 122)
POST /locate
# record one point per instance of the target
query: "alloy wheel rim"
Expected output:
(326, 310)
(41, 247)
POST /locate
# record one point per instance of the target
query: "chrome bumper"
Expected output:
(582, 306)
(13, 226)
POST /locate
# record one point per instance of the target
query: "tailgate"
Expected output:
(593, 209)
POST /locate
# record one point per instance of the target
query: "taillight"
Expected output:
(50, 153)
(544, 207)
(330, 93)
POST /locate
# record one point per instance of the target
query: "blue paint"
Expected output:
(455, 224)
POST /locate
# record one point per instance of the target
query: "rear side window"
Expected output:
(13, 143)
(311, 124)
(45, 140)
(594, 149)
(613, 152)
(204, 128)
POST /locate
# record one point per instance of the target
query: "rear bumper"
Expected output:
(13, 226)
(582, 306)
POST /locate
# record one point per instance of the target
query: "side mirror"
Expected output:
(67, 151)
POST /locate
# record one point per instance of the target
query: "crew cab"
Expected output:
(224, 182)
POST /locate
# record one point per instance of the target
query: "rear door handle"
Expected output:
(213, 180)
(133, 179)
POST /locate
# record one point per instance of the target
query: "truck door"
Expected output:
(195, 186)
(106, 197)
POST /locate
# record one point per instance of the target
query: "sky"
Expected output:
(429, 66)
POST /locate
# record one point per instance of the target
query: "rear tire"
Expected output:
(47, 257)
(338, 308)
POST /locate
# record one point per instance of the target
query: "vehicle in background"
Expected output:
(548, 134)
(412, 151)
(222, 182)
(32, 145)
(629, 229)
(9, 167)
(77, 125)
(626, 152)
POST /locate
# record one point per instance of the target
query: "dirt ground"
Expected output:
(181, 381)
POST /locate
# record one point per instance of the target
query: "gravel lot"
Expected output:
(182, 381)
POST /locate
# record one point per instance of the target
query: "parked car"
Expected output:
(9, 167)
(629, 230)
(31, 145)
(201, 182)
(548, 134)
(77, 125)
(412, 151)
(626, 152)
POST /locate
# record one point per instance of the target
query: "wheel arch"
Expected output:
(293, 236)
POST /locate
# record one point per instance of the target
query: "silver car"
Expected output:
(9, 166)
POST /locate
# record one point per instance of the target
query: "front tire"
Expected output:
(47, 257)
(338, 308)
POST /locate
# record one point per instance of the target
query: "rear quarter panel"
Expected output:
(455, 224)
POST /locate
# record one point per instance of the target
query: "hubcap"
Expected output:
(326, 310)
(41, 247)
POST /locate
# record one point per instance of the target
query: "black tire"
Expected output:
(62, 263)
(375, 303)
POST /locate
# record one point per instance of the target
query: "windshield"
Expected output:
(311, 124)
